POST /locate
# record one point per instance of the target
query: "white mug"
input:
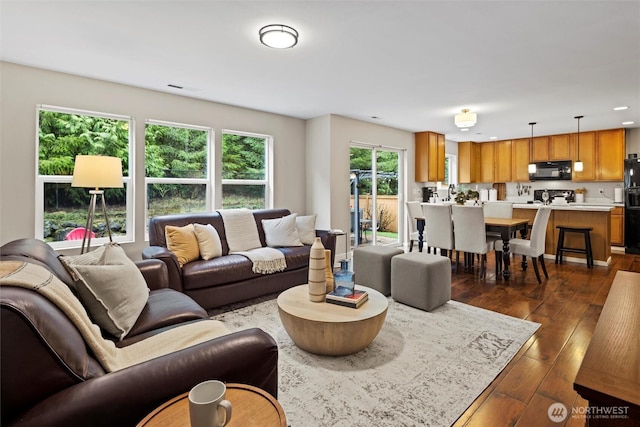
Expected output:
(205, 403)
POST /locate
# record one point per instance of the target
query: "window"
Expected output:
(246, 170)
(63, 133)
(450, 171)
(177, 168)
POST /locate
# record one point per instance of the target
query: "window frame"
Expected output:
(267, 182)
(452, 173)
(41, 180)
(208, 180)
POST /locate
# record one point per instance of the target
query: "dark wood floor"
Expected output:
(567, 306)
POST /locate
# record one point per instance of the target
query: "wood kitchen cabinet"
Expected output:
(587, 155)
(617, 226)
(467, 162)
(610, 152)
(541, 149)
(487, 162)
(429, 160)
(560, 147)
(520, 160)
(504, 160)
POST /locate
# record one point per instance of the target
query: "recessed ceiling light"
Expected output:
(278, 36)
(627, 123)
(621, 108)
(493, 137)
(464, 130)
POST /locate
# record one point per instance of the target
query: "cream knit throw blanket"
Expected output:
(243, 239)
(39, 279)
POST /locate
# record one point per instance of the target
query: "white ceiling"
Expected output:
(413, 64)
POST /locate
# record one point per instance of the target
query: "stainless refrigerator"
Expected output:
(632, 206)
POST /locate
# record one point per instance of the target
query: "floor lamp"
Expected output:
(96, 172)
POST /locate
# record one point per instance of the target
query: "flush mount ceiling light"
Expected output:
(465, 119)
(278, 36)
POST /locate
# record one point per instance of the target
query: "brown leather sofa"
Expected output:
(50, 377)
(229, 278)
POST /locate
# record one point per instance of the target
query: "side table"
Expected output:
(251, 407)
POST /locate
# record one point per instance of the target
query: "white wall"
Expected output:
(342, 131)
(632, 139)
(22, 88)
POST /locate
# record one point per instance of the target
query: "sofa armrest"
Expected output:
(154, 272)
(328, 239)
(125, 397)
(174, 272)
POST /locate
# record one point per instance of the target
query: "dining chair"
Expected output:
(533, 247)
(497, 210)
(470, 234)
(414, 211)
(439, 227)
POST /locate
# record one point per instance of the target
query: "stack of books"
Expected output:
(347, 299)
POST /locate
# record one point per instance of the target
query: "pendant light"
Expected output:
(532, 165)
(578, 166)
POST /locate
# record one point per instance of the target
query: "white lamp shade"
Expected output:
(97, 172)
(465, 119)
(532, 168)
(578, 166)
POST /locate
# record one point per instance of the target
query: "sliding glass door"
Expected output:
(374, 204)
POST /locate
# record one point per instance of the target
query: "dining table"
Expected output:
(505, 226)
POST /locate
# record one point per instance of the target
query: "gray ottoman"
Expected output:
(372, 267)
(421, 280)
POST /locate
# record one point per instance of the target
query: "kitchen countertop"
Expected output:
(568, 206)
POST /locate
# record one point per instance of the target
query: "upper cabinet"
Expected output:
(601, 152)
(429, 160)
(610, 149)
(541, 149)
(467, 162)
(554, 147)
(560, 147)
(520, 159)
(487, 162)
(504, 160)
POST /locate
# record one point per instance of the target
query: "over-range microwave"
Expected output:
(559, 170)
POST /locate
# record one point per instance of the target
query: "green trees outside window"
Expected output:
(63, 134)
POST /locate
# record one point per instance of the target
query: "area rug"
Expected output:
(423, 369)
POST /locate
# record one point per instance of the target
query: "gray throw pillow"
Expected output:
(111, 288)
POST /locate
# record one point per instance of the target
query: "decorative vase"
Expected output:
(328, 270)
(317, 282)
(344, 279)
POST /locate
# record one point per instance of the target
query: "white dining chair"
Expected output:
(470, 234)
(533, 247)
(497, 210)
(439, 227)
(414, 211)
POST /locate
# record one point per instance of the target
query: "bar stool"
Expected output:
(587, 243)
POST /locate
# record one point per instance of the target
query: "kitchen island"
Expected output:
(596, 216)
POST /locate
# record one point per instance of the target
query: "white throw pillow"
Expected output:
(112, 289)
(306, 226)
(281, 231)
(208, 241)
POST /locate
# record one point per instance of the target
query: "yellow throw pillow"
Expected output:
(183, 243)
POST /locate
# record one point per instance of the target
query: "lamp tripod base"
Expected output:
(91, 213)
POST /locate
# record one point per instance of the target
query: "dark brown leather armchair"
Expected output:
(50, 377)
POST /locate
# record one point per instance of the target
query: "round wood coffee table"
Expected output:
(251, 407)
(329, 329)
